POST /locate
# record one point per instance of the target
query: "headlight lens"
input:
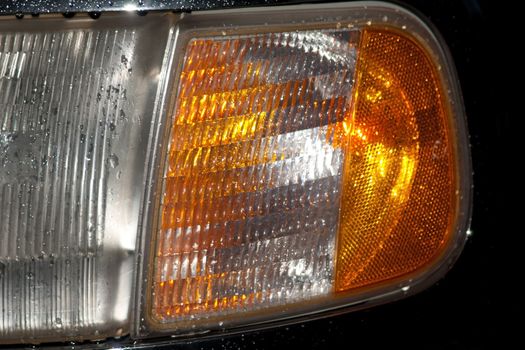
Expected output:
(76, 106)
(245, 166)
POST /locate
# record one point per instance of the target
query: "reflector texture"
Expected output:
(68, 138)
(399, 190)
(252, 187)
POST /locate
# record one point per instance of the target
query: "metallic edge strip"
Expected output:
(14, 7)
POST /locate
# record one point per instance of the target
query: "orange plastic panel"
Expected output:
(398, 200)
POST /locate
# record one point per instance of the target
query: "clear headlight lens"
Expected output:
(172, 174)
(76, 107)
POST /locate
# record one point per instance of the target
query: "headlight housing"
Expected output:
(246, 166)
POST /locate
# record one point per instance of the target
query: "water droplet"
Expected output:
(95, 15)
(405, 289)
(113, 161)
(58, 322)
(29, 275)
(385, 18)
(118, 333)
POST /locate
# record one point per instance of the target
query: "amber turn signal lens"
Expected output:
(398, 203)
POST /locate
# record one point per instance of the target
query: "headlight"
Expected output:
(173, 174)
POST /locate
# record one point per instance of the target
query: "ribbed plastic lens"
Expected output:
(71, 113)
(56, 156)
(252, 190)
